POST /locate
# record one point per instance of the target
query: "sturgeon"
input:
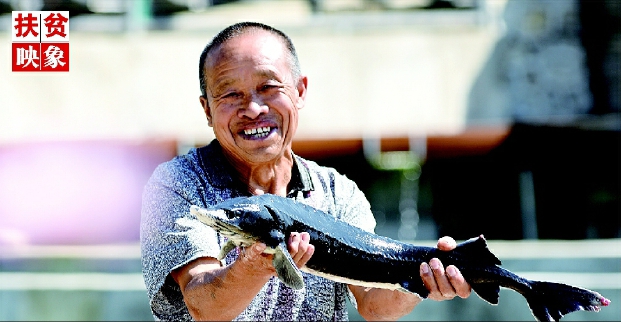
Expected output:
(345, 253)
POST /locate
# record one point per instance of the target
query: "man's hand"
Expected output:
(444, 284)
(252, 260)
(213, 292)
(298, 245)
(300, 248)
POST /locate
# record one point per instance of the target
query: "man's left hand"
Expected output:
(444, 284)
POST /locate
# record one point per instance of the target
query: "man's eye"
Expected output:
(231, 95)
(268, 87)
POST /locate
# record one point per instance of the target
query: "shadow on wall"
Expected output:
(557, 59)
(572, 192)
(555, 76)
(75, 192)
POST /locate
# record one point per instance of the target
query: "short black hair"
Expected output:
(236, 30)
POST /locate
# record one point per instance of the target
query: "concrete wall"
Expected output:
(381, 73)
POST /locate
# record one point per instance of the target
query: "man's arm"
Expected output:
(213, 292)
(382, 304)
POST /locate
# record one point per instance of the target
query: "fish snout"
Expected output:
(208, 216)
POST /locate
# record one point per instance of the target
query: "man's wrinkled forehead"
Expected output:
(248, 43)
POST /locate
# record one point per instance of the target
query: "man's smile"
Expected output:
(258, 132)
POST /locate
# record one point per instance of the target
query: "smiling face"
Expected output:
(252, 99)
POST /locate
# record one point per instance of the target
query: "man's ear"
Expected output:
(205, 105)
(302, 89)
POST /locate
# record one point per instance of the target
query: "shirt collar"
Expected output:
(221, 174)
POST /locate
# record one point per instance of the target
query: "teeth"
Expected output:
(261, 131)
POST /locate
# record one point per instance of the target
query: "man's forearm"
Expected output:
(381, 304)
(223, 293)
(212, 292)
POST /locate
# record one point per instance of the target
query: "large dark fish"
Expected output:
(345, 253)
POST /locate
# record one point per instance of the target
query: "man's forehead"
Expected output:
(254, 43)
(263, 51)
(221, 82)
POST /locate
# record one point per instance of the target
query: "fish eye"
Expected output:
(231, 214)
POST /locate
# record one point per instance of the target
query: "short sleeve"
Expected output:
(352, 205)
(170, 236)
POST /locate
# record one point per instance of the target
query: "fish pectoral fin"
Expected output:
(286, 269)
(229, 246)
(487, 291)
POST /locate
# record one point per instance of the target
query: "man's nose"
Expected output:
(252, 108)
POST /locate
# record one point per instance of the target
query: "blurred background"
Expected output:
(455, 117)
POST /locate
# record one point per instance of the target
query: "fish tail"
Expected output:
(551, 301)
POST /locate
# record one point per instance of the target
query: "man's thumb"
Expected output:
(255, 250)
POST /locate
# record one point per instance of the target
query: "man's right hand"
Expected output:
(300, 248)
(213, 292)
(298, 245)
(253, 259)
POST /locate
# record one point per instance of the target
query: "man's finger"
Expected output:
(461, 287)
(300, 247)
(305, 237)
(307, 255)
(303, 248)
(446, 243)
(442, 281)
(294, 243)
(427, 276)
(252, 252)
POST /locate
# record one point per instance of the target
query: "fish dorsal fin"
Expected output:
(229, 246)
(488, 292)
(286, 269)
(476, 250)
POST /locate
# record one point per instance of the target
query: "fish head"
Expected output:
(243, 221)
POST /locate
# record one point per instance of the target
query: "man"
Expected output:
(252, 89)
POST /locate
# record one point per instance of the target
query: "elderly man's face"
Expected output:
(252, 99)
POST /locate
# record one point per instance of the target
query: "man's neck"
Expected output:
(270, 177)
